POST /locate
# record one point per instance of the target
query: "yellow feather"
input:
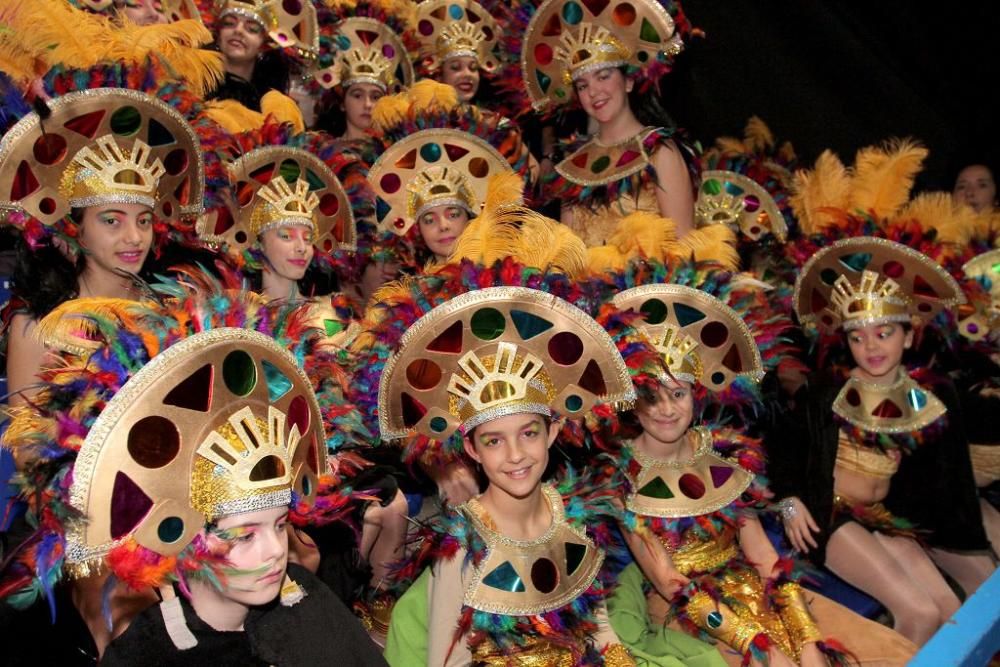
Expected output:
(389, 111)
(955, 223)
(427, 95)
(605, 259)
(233, 116)
(504, 189)
(62, 34)
(644, 234)
(758, 135)
(883, 177)
(828, 184)
(69, 327)
(283, 108)
(177, 44)
(730, 145)
(550, 245)
(490, 236)
(712, 243)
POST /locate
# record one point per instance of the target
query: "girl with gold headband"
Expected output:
(492, 362)
(692, 494)
(368, 46)
(604, 60)
(260, 42)
(437, 156)
(95, 186)
(172, 454)
(872, 467)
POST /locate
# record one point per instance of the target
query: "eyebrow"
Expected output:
(533, 422)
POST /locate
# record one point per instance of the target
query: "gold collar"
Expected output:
(596, 164)
(704, 483)
(524, 578)
(904, 406)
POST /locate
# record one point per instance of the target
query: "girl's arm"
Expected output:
(655, 563)
(445, 596)
(674, 196)
(24, 358)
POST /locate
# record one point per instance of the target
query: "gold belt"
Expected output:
(536, 653)
(699, 555)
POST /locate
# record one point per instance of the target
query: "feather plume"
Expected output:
(883, 177)
(714, 243)
(601, 259)
(644, 234)
(828, 184)
(505, 189)
(955, 223)
(549, 245)
(759, 138)
(283, 109)
(389, 111)
(429, 96)
(75, 323)
(233, 116)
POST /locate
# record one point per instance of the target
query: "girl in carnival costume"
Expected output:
(94, 186)
(692, 494)
(436, 157)
(886, 458)
(368, 47)
(171, 454)
(632, 164)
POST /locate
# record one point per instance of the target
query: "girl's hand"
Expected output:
(799, 524)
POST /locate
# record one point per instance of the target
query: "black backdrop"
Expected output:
(842, 75)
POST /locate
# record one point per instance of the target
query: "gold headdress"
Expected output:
(437, 167)
(454, 28)
(100, 146)
(180, 10)
(862, 281)
(221, 423)
(982, 316)
(290, 24)
(732, 199)
(495, 352)
(566, 39)
(701, 339)
(277, 186)
(370, 52)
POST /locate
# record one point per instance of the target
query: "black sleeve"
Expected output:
(312, 632)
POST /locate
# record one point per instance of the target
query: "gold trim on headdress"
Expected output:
(701, 339)
(369, 52)
(279, 185)
(454, 28)
(223, 422)
(732, 199)
(902, 407)
(438, 167)
(106, 145)
(288, 24)
(700, 485)
(865, 280)
(981, 319)
(528, 577)
(494, 352)
(565, 39)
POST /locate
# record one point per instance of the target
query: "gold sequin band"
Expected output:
(867, 461)
(986, 460)
(536, 653)
(617, 655)
(722, 622)
(698, 555)
(795, 614)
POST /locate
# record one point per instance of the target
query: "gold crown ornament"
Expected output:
(495, 352)
(732, 199)
(589, 49)
(291, 24)
(102, 146)
(566, 39)
(370, 52)
(277, 186)
(455, 28)
(435, 167)
(701, 339)
(223, 422)
(865, 280)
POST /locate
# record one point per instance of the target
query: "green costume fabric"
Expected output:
(649, 642)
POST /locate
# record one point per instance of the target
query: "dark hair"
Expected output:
(44, 277)
(331, 117)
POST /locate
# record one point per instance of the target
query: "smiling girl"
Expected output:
(874, 458)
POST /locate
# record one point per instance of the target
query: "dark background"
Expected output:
(842, 75)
